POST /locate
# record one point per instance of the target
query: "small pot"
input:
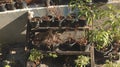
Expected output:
(64, 24)
(10, 6)
(57, 21)
(2, 7)
(19, 5)
(82, 23)
(45, 21)
(68, 45)
(67, 22)
(35, 22)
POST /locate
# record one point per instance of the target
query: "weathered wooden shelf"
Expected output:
(59, 28)
(72, 52)
(67, 52)
(32, 31)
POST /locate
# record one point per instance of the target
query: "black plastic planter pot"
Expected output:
(10, 6)
(19, 5)
(107, 50)
(81, 23)
(46, 20)
(64, 2)
(100, 1)
(57, 21)
(73, 46)
(64, 47)
(54, 23)
(44, 23)
(69, 21)
(2, 7)
(66, 23)
(69, 45)
(35, 22)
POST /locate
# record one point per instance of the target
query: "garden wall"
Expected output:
(13, 23)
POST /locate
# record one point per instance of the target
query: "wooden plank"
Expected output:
(92, 56)
(67, 52)
(62, 28)
(72, 53)
(59, 28)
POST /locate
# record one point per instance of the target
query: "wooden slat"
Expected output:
(58, 28)
(92, 56)
(67, 52)
(72, 52)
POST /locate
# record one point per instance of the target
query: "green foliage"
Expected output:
(82, 61)
(101, 38)
(7, 65)
(111, 64)
(53, 55)
(35, 55)
(113, 14)
(87, 9)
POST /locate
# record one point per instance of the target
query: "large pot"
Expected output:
(106, 50)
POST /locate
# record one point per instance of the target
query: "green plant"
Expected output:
(111, 64)
(82, 61)
(113, 21)
(53, 55)
(101, 38)
(113, 14)
(87, 9)
(35, 55)
(7, 63)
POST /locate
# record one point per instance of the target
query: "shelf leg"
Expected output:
(92, 56)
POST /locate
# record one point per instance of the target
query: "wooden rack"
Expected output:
(31, 32)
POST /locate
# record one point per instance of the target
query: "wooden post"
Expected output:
(92, 56)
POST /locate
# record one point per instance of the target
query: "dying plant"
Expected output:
(82, 41)
(52, 40)
(56, 13)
